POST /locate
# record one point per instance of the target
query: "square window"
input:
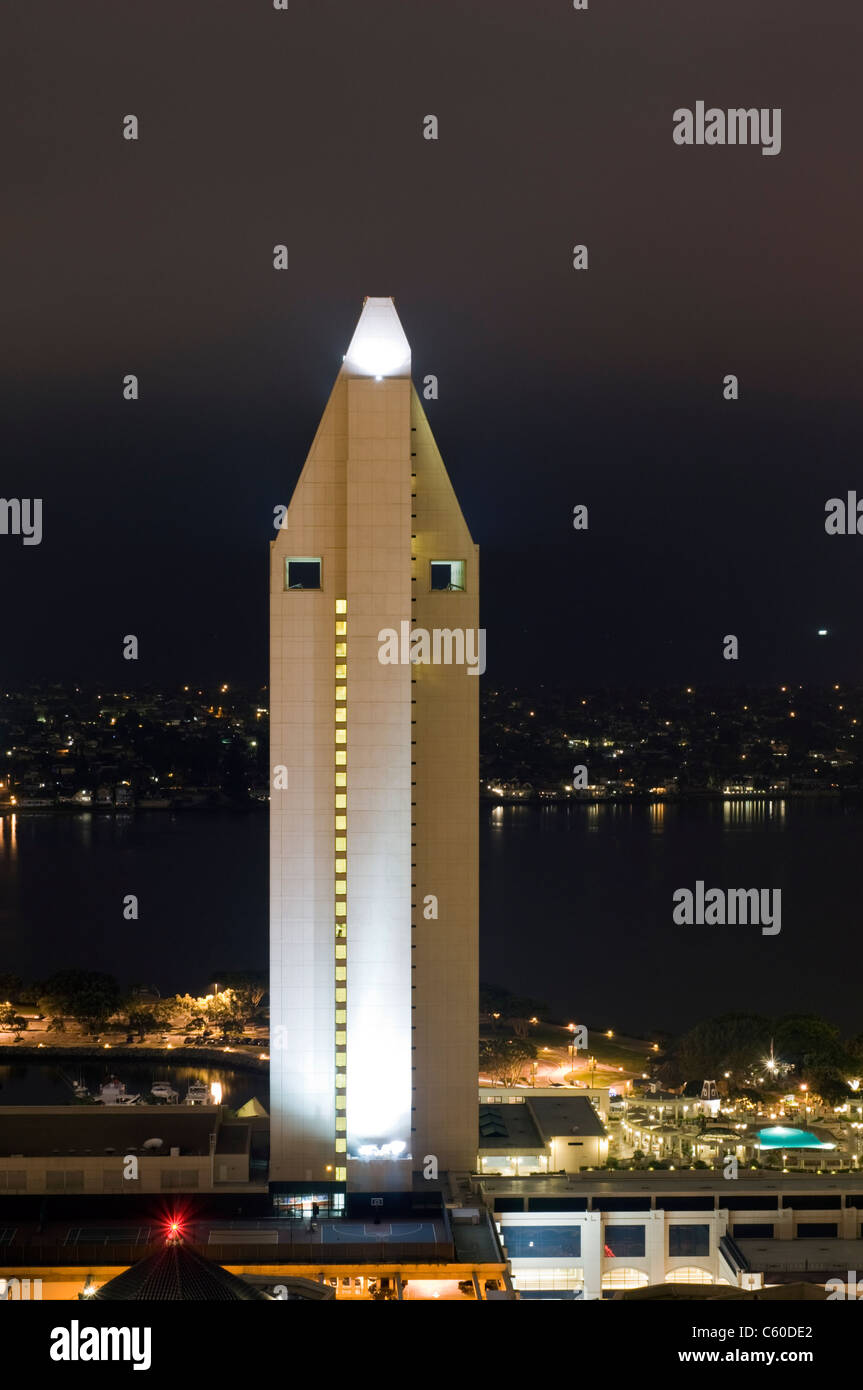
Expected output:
(341, 866)
(341, 844)
(341, 692)
(341, 716)
(341, 650)
(341, 1059)
(341, 972)
(341, 823)
(303, 572)
(341, 605)
(341, 758)
(447, 575)
(341, 735)
(341, 930)
(341, 887)
(341, 779)
(341, 1147)
(341, 673)
(341, 801)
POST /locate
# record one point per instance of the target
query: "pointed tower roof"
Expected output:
(379, 347)
(174, 1272)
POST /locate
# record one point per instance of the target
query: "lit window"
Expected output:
(341, 887)
(341, 972)
(340, 1103)
(303, 572)
(341, 1014)
(341, 844)
(341, 650)
(341, 1147)
(341, 998)
(341, 779)
(341, 671)
(341, 930)
(341, 1173)
(341, 952)
(341, 1123)
(689, 1274)
(341, 716)
(341, 758)
(341, 1059)
(341, 1080)
(341, 824)
(341, 629)
(341, 605)
(341, 735)
(341, 1039)
(341, 801)
(341, 866)
(447, 575)
(341, 910)
(341, 692)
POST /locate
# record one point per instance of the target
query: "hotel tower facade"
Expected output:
(374, 794)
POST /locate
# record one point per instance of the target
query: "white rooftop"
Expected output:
(379, 347)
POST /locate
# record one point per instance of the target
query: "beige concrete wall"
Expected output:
(379, 769)
(446, 829)
(103, 1173)
(302, 692)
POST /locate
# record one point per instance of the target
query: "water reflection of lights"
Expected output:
(9, 835)
(752, 811)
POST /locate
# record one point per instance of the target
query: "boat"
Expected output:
(198, 1094)
(113, 1092)
(163, 1090)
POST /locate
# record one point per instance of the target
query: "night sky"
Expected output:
(557, 387)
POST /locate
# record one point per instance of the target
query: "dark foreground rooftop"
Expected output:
(176, 1273)
(94, 1130)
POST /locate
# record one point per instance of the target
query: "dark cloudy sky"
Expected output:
(259, 127)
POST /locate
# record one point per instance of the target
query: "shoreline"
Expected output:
(10, 1053)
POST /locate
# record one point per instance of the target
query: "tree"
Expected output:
(249, 989)
(11, 1021)
(830, 1085)
(732, 1042)
(493, 999)
(808, 1041)
(145, 1016)
(88, 996)
(505, 1058)
(11, 986)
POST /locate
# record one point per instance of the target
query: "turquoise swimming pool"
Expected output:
(779, 1137)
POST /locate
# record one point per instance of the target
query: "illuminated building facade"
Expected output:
(373, 801)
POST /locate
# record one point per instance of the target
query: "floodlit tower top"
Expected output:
(379, 347)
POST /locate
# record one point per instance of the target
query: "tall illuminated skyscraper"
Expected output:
(374, 793)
